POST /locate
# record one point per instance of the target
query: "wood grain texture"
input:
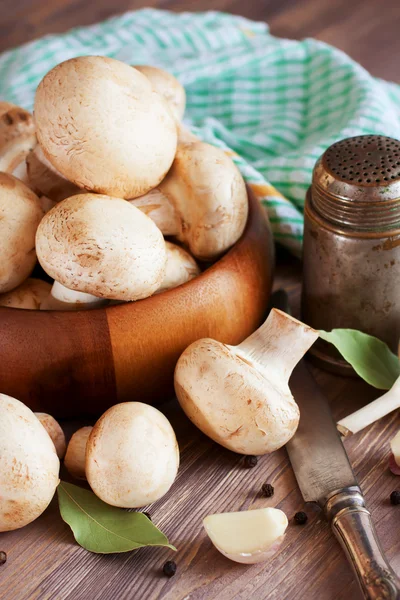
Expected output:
(76, 363)
(44, 563)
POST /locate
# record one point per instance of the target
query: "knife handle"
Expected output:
(352, 525)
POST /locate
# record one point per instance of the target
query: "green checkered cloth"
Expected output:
(274, 104)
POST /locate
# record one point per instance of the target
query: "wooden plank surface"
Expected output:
(44, 563)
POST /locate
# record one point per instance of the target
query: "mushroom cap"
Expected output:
(168, 87)
(17, 136)
(209, 194)
(55, 432)
(132, 456)
(102, 246)
(158, 207)
(20, 215)
(102, 126)
(231, 401)
(29, 295)
(45, 180)
(180, 267)
(29, 465)
(75, 457)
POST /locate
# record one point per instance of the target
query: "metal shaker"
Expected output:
(351, 253)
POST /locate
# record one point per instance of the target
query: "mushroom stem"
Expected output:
(278, 344)
(62, 298)
(371, 412)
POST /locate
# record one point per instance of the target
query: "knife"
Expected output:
(325, 476)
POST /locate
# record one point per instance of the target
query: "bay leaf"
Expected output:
(104, 529)
(371, 358)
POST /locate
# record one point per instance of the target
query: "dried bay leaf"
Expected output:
(104, 529)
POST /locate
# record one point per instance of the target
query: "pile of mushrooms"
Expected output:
(91, 186)
(130, 458)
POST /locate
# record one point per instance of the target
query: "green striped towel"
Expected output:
(274, 104)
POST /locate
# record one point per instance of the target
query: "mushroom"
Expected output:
(239, 395)
(61, 298)
(17, 136)
(29, 465)
(167, 86)
(45, 180)
(102, 246)
(249, 536)
(20, 215)
(55, 432)
(29, 295)
(205, 192)
(180, 267)
(101, 125)
(76, 453)
(132, 456)
(46, 204)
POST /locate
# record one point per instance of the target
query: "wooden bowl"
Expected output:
(80, 363)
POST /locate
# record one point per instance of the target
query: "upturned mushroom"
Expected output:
(75, 457)
(29, 465)
(202, 201)
(239, 395)
(45, 180)
(102, 246)
(17, 137)
(132, 456)
(167, 86)
(101, 125)
(29, 295)
(180, 268)
(249, 536)
(61, 298)
(55, 432)
(20, 215)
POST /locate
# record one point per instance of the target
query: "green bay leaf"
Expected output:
(99, 527)
(371, 358)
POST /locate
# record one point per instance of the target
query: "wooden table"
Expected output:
(43, 560)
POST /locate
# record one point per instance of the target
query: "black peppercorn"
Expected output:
(250, 462)
(395, 498)
(147, 515)
(169, 569)
(3, 558)
(300, 518)
(267, 490)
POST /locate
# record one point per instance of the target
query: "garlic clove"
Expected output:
(247, 537)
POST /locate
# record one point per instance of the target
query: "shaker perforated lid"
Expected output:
(356, 183)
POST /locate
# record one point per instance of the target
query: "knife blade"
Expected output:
(316, 452)
(325, 476)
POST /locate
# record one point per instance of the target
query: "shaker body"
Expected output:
(350, 280)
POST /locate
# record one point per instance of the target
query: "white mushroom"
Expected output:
(132, 456)
(249, 536)
(45, 180)
(102, 246)
(205, 194)
(29, 465)
(55, 432)
(180, 267)
(46, 204)
(20, 215)
(17, 136)
(29, 295)
(75, 457)
(102, 126)
(239, 396)
(168, 87)
(61, 298)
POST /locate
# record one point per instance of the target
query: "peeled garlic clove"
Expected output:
(248, 537)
